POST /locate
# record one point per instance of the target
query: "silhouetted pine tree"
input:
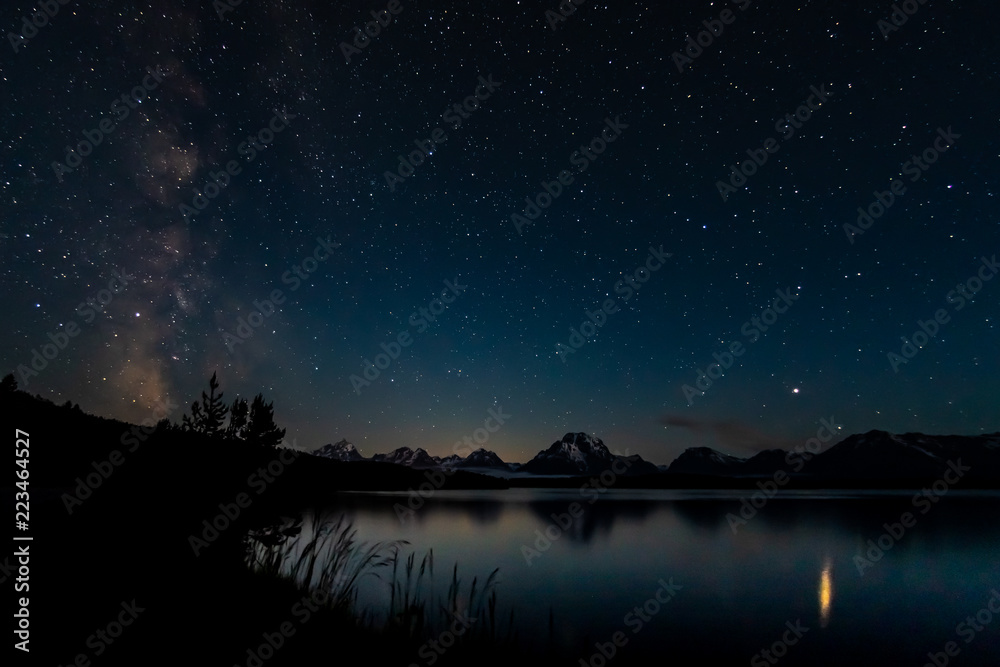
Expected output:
(238, 419)
(261, 430)
(209, 416)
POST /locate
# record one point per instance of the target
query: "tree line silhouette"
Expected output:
(252, 422)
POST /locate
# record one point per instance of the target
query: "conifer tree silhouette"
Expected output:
(238, 419)
(261, 430)
(208, 416)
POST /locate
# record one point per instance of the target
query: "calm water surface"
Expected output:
(796, 563)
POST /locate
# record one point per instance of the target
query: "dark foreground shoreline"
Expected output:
(141, 541)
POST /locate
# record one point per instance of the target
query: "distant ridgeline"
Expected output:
(70, 447)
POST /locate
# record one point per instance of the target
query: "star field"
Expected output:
(348, 124)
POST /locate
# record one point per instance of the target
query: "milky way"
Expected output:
(842, 156)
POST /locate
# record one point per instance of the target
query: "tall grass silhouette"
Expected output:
(335, 561)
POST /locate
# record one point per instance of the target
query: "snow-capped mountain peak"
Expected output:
(575, 453)
(482, 458)
(339, 451)
(418, 458)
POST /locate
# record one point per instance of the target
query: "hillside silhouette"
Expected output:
(118, 511)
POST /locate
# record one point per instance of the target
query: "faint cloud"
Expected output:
(730, 433)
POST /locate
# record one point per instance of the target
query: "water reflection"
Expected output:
(825, 592)
(743, 584)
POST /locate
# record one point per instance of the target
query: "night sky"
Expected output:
(265, 90)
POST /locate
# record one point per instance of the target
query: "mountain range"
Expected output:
(871, 456)
(416, 458)
(875, 455)
(575, 454)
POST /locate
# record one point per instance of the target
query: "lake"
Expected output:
(812, 578)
